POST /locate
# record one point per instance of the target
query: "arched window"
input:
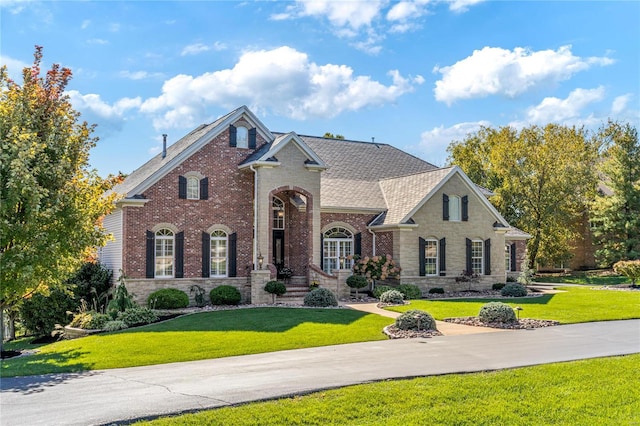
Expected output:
(242, 137)
(164, 249)
(278, 213)
(431, 256)
(218, 254)
(454, 208)
(337, 242)
(193, 188)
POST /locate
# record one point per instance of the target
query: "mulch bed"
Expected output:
(522, 324)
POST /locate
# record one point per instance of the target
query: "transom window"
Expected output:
(477, 252)
(218, 254)
(454, 208)
(193, 188)
(242, 137)
(278, 213)
(431, 257)
(337, 243)
(164, 250)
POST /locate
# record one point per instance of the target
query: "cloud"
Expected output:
(99, 41)
(620, 103)
(85, 24)
(555, 110)
(197, 48)
(114, 27)
(460, 6)
(341, 14)
(140, 75)
(280, 81)
(14, 6)
(14, 66)
(497, 71)
(94, 110)
(434, 142)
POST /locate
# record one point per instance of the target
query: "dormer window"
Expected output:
(242, 137)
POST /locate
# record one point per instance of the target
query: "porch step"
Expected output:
(297, 281)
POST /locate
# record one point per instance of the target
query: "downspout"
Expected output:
(374, 241)
(255, 216)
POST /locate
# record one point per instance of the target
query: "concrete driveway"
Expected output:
(105, 396)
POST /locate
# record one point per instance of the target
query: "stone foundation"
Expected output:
(142, 288)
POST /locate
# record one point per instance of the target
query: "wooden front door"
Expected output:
(278, 248)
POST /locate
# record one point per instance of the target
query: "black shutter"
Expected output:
(179, 273)
(232, 136)
(150, 265)
(513, 257)
(322, 251)
(204, 188)
(443, 257)
(252, 138)
(487, 256)
(465, 208)
(182, 187)
(357, 244)
(469, 263)
(233, 240)
(445, 207)
(421, 261)
(206, 255)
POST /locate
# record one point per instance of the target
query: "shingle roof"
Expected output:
(516, 234)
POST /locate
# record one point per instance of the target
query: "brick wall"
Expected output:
(356, 220)
(384, 243)
(230, 203)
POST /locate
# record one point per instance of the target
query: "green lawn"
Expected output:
(574, 305)
(573, 393)
(584, 279)
(203, 336)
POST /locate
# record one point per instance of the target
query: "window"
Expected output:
(507, 257)
(337, 243)
(164, 245)
(431, 257)
(278, 213)
(454, 208)
(242, 137)
(218, 254)
(193, 188)
(477, 258)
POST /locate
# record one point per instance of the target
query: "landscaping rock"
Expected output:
(395, 333)
(523, 323)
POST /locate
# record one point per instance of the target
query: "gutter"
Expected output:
(255, 216)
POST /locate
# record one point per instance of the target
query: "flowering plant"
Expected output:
(376, 267)
(285, 272)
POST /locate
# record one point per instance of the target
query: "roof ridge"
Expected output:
(439, 169)
(338, 140)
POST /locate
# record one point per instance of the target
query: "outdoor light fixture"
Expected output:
(260, 260)
(341, 262)
(518, 309)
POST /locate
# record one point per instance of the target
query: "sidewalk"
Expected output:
(446, 328)
(107, 396)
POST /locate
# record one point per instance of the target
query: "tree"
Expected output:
(542, 178)
(617, 214)
(51, 203)
(332, 136)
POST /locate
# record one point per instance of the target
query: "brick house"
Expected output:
(234, 203)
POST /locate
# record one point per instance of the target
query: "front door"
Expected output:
(278, 248)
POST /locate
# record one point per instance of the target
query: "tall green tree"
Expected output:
(617, 213)
(542, 178)
(51, 204)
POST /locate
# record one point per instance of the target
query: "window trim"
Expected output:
(455, 212)
(215, 237)
(507, 258)
(482, 254)
(340, 247)
(277, 206)
(164, 234)
(240, 131)
(436, 244)
(190, 188)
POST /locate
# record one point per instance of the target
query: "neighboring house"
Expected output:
(234, 203)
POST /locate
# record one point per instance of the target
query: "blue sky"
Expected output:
(414, 74)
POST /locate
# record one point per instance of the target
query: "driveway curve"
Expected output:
(122, 395)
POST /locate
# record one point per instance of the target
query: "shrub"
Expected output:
(376, 267)
(225, 295)
(392, 296)
(498, 286)
(436, 290)
(513, 290)
(121, 298)
(628, 268)
(92, 283)
(276, 288)
(410, 291)
(168, 298)
(40, 314)
(89, 320)
(415, 320)
(199, 294)
(377, 292)
(115, 325)
(357, 281)
(496, 312)
(320, 297)
(511, 279)
(137, 315)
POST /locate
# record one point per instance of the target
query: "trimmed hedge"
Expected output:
(137, 316)
(168, 298)
(513, 290)
(496, 312)
(321, 298)
(498, 286)
(377, 292)
(392, 296)
(416, 320)
(225, 295)
(410, 291)
(436, 290)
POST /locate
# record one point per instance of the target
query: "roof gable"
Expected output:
(270, 152)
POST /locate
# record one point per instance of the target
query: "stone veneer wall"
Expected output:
(142, 288)
(230, 203)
